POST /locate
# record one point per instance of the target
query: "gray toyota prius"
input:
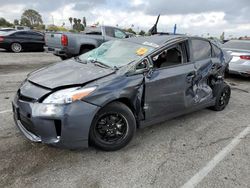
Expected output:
(102, 97)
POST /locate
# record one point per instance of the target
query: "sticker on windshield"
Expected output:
(141, 51)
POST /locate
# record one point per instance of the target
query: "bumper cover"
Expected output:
(240, 68)
(57, 51)
(64, 126)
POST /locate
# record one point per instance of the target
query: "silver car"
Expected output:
(240, 51)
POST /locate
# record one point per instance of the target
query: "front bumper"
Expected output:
(64, 126)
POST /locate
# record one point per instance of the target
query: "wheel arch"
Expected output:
(87, 46)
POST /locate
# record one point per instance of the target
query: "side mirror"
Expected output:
(141, 68)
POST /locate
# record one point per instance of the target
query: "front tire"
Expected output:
(222, 93)
(113, 127)
(16, 47)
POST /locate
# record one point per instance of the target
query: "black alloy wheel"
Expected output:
(222, 93)
(113, 127)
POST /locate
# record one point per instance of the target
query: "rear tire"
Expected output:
(222, 93)
(113, 127)
(16, 47)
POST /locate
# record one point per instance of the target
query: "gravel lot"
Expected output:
(163, 155)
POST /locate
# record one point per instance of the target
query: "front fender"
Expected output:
(130, 88)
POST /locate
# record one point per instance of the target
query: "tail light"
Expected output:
(1, 39)
(245, 57)
(64, 40)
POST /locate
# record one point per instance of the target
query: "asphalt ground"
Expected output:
(202, 149)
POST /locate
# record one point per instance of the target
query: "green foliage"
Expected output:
(16, 22)
(78, 26)
(31, 18)
(142, 33)
(5, 23)
(130, 30)
(39, 27)
(56, 28)
(25, 22)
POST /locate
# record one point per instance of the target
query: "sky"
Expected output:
(194, 17)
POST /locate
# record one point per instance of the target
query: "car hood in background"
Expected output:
(68, 73)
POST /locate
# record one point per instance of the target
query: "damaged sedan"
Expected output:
(101, 97)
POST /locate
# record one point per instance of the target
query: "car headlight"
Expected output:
(68, 95)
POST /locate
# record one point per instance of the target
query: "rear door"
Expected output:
(22, 37)
(204, 65)
(167, 87)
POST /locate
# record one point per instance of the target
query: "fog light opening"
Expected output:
(58, 126)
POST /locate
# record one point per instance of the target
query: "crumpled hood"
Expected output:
(68, 73)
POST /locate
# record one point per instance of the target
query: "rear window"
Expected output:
(242, 45)
(201, 49)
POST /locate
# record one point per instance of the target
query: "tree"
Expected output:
(79, 21)
(142, 33)
(5, 23)
(130, 30)
(75, 21)
(25, 22)
(16, 22)
(78, 26)
(71, 21)
(31, 18)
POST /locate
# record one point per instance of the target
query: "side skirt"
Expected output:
(161, 119)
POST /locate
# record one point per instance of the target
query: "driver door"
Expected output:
(166, 87)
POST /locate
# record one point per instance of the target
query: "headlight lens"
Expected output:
(68, 95)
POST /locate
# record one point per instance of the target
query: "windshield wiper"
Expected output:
(77, 58)
(100, 64)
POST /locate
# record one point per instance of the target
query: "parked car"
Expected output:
(6, 29)
(18, 41)
(67, 45)
(103, 96)
(240, 63)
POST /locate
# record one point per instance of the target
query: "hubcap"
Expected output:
(16, 47)
(111, 127)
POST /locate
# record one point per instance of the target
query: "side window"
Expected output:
(201, 49)
(110, 31)
(170, 57)
(119, 34)
(36, 35)
(20, 34)
(216, 51)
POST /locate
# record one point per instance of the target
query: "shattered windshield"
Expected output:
(117, 53)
